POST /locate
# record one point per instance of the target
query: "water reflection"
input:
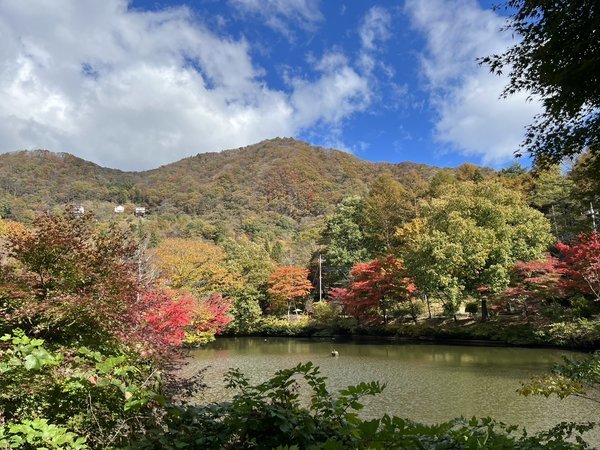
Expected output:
(429, 383)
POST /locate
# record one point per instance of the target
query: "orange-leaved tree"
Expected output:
(287, 285)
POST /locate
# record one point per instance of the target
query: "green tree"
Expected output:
(344, 240)
(246, 310)
(465, 241)
(386, 208)
(558, 60)
(552, 193)
(585, 176)
(438, 183)
(250, 260)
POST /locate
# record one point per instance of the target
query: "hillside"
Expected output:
(276, 189)
(283, 176)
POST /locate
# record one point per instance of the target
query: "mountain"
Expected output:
(284, 176)
(279, 187)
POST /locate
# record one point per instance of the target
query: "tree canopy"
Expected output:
(466, 240)
(556, 59)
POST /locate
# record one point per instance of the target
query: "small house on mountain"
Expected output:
(78, 211)
(119, 209)
(140, 211)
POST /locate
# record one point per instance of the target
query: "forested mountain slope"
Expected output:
(269, 180)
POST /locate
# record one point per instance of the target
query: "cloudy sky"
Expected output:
(137, 84)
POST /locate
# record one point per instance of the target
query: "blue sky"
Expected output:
(137, 84)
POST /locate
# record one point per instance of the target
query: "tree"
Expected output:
(344, 240)
(250, 260)
(558, 60)
(375, 288)
(195, 265)
(469, 172)
(246, 310)
(167, 315)
(416, 188)
(553, 194)
(581, 262)
(438, 183)
(210, 318)
(286, 285)
(386, 208)
(465, 241)
(585, 176)
(67, 277)
(533, 283)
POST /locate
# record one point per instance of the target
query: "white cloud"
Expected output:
(375, 27)
(335, 95)
(471, 118)
(280, 14)
(134, 89)
(374, 31)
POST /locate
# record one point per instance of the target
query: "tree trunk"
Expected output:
(484, 310)
(428, 304)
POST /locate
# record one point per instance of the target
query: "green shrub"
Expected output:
(407, 310)
(581, 307)
(84, 392)
(39, 434)
(582, 332)
(472, 308)
(325, 314)
(281, 326)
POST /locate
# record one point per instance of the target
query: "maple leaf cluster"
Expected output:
(167, 314)
(533, 283)
(576, 270)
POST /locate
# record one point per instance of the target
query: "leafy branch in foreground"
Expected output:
(556, 60)
(278, 414)
(574, 377)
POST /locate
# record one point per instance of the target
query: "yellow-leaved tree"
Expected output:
(196, 266)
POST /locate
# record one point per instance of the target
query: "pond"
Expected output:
(426, 383)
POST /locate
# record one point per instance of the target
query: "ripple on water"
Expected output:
(426, 383)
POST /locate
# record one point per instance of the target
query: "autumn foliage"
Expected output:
(72, 280)
(288, 284)
(375, 286)
(581, 262)
(166, 316)
(211, 314)
(533, 283)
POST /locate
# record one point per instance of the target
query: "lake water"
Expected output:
(426, 383)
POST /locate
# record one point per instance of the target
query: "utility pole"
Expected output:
(320, 279)
(593, 213)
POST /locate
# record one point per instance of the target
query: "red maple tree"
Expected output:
(167, 315)
(212, 314)
(533, 283)
(581, 264)
(375, 286)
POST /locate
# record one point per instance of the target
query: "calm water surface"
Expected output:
(427, 383)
